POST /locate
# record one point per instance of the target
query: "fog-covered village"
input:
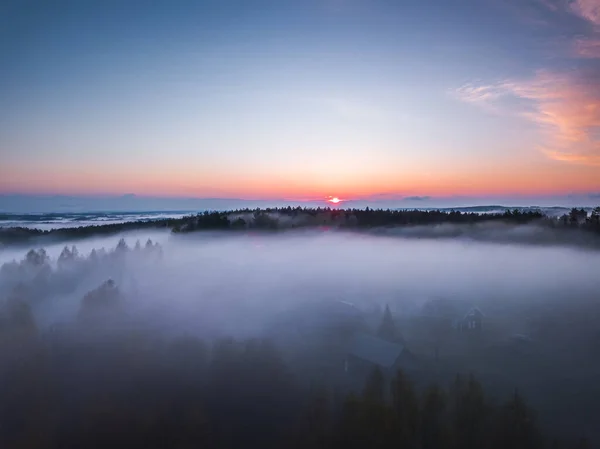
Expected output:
(189, 332)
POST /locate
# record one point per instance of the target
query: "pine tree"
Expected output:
(406, 406)
(122, 245)
(434, 434)
(387, 329)
(516, 426)
(65, 255)
(368, 421)
(469, 414)
(315, 429)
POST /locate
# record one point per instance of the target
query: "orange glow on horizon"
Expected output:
(550, 178)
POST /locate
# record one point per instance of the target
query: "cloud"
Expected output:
(477, 94)
(587, 47)
(550, 4)
(565, 105)
(417, 198)
(564, 156)
(587, 9)
(577, 21)
(483, 96)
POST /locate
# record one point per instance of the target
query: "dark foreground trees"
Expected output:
(77, 387)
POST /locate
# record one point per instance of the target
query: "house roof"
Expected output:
(375, 350)
(474, 311)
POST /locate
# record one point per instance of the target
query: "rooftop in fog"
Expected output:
(375, 350)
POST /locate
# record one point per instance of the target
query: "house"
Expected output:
(366, 351)
(471, 322)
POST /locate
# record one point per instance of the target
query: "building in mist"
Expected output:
(471, 322)
(367, 351)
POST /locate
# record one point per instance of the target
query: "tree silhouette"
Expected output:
(516, 426)
(122, 246)
(469, 414)
(406, 406)
(387, 329)
(434, 431)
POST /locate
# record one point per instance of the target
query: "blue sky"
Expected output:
(304, 100)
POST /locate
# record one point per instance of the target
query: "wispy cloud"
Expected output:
(587, 9)
(588, 47)
(586, 159)
(565, 106)
(577, 21)
(473, 93)
(417, 198)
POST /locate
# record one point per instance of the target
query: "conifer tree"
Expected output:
(387, 329)
(434, 434)
(516, 426)
(406, 407)
(469, 414)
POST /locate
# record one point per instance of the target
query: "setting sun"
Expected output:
(334, 200)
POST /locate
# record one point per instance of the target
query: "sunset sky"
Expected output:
(300, 99)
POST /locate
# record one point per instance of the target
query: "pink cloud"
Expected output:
(587, 9)
(587, 47)
(586, 159)
(565, 106)
(584, 40)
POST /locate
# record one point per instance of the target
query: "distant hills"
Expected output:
(131, 203)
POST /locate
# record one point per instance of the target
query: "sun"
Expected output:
(334, 200)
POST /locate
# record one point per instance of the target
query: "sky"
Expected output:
(300, 100)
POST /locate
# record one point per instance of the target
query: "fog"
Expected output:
(244, 285)
(236, 283)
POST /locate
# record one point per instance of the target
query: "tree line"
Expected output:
(38, 276)
(301, 217)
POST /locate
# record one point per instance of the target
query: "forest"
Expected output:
(294, 218)
(111, 374)
(67, 389)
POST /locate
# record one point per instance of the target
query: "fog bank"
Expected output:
(235, 283)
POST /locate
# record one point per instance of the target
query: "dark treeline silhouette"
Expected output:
(17, 235)
(82, 385)
(288, 217)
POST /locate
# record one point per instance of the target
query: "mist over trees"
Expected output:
(307, 339)
(271, 219)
